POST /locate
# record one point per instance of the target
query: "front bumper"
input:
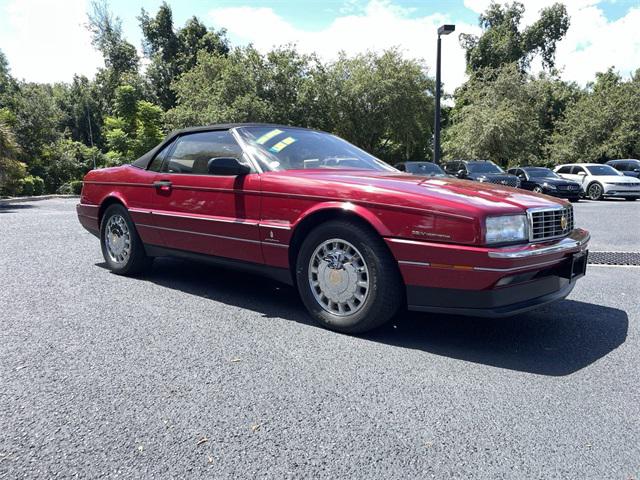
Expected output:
(568, 194)
(484, 281)
(620, 191)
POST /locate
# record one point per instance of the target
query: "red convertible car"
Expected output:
(358, 238)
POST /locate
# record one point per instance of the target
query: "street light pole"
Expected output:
(443, 30)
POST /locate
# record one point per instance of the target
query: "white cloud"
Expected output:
(379, 26)
(45, 40)
(593, 43)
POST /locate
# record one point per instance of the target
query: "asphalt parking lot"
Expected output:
(196, 371)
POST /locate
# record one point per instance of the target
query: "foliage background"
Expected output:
(51, 135)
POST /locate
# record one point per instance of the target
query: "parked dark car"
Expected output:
(428, 169)
(629, 166)
(545, 180)
(481, 171)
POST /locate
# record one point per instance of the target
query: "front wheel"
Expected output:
(122, 247)
(595, 191)
(631, 199)
(538, 189)
(347, 278)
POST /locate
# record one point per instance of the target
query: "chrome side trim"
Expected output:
(562, 246)
(414, 264)
(199, 233)
(205, 218)
(276, 226)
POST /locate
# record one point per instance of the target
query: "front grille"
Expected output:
(569, 187)
(550, 223)
(508, 181)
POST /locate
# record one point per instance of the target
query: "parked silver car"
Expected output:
(599, 181)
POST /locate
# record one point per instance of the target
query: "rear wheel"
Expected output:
(122, 248)
(595, 191)
(347, 278)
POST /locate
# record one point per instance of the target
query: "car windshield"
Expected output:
(484, 167)
(425, 168)
(541, 173)
(603, 170)
(286, 148)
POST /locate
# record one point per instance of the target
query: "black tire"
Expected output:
(631, 199)
(137, 260)
(595, 191)
(538, 189)
(385, 292)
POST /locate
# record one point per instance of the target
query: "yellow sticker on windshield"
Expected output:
(268, 136)
(282, 144)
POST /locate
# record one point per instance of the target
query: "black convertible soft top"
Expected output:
(144, 160)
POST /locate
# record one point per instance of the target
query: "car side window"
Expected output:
(156, 163)
(565, 169)
(401, 167)
(192, 152)
(576, 170)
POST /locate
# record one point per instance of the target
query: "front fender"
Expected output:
(347, 207)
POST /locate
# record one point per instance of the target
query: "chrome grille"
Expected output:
(548, 223)
(508, 181)
(569, 187)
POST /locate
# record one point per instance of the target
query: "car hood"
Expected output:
(553, 181)
(490, 175)
(413, 191)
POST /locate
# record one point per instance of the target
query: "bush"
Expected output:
(38, 185)
(73, 187)
(31, 185)
(26, 186)
(11, 174)
(76, 187)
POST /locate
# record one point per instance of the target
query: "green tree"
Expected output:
(382, 103)
(503, 41)
(496, 118)
(174, 51)
(38, 121)
(65, 161)
(136, 127)
(82, 111)
(120, 57)
(11, 170)
(603, 124)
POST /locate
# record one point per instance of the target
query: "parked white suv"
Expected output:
(599, 181)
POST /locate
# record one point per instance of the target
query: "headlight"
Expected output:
(549, 186)
(506, 228)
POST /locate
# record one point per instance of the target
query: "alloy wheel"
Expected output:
(339, 277)
(117, 239)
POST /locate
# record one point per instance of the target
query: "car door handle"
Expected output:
(164, 185)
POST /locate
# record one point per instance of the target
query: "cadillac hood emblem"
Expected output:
(563, 222)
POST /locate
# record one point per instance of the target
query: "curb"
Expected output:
(9, 201)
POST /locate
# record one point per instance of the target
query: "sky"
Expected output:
(46, 40)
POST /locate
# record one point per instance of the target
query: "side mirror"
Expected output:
(461, 173)
(582, 174)
(227, 166)
(636, 169)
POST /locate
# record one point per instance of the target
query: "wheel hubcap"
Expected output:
(339, 277)
(117, 239)
(595, 191)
